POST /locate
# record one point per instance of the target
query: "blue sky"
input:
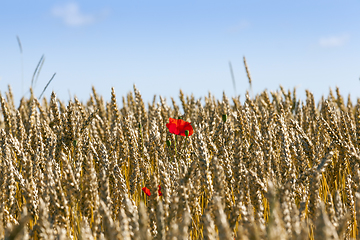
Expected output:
(164, 46)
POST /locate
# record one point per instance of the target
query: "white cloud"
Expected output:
(72, 16)
(334, 41)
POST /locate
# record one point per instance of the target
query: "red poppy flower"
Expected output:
(179, 126)
(159, 191)
(146, 191)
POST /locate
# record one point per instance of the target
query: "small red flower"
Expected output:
(179, 126)
(146, 191)
(159, 191)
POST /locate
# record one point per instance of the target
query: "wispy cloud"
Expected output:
(334, 41)
(71, 15)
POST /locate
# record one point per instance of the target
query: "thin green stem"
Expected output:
(176, 155)
(185, 148)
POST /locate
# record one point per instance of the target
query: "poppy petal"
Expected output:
(146, 191)
(179, 126)
(159, 191)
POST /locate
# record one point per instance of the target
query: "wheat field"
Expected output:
(269, 167)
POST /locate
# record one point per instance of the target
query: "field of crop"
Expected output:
(270, 167)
